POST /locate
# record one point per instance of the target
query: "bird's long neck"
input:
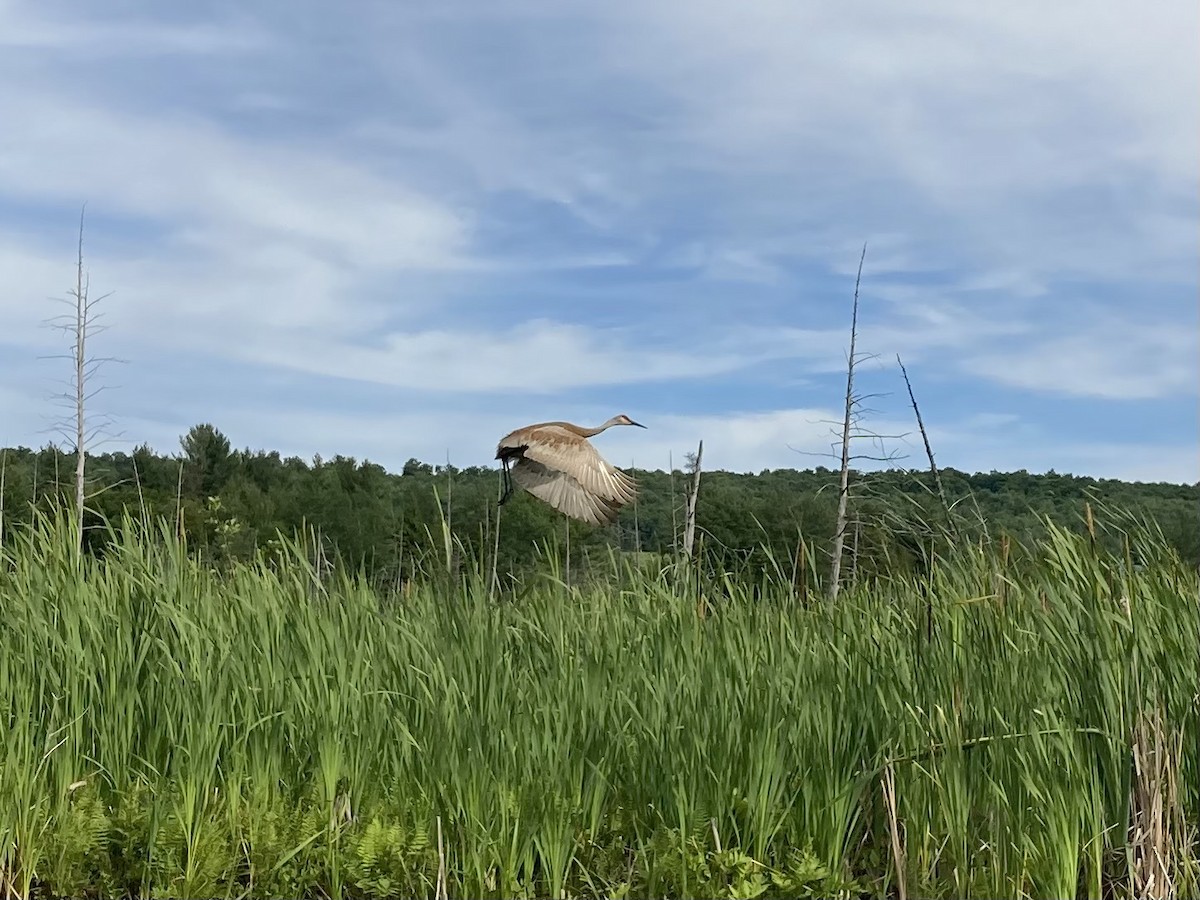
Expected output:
(579, 429)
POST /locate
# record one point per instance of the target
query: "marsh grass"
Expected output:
(260, 731)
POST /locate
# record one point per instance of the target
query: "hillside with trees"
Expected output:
(229, 501)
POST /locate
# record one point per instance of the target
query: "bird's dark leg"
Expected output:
(508, 488)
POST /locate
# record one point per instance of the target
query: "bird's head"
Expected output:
(623, 420)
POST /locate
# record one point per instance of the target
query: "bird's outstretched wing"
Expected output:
(563, 492)
(560, 450)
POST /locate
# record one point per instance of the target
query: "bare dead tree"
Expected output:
(179, 500)
(3, 472)
(851, 429)
(674, 518)
(637, 528)
(448, 533)
(689, 527)
(79, 324)
(839, 536)
(449, 492)
(494, 581)
(937, 476)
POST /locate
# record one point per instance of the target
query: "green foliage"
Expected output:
(690, 866)
(191, 726)
(388, 857)
(233, 503)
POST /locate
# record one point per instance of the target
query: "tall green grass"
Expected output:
(174, 730)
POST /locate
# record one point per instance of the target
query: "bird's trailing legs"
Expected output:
(508, 486)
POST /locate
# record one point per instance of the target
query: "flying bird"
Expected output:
(555, 462)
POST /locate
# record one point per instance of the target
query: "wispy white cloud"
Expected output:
(1006, 73)
(536, 357)
(1108, 359)
(212, 191)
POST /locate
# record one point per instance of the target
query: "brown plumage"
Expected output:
(555, 462)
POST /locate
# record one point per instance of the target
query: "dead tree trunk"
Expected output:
(937, 476)
(689, 527)
(3, 471)
(80, 324)
(81, 329)
(674, 510)
(839, 536)
(637, 527)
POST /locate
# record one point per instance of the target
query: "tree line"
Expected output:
(230, 503)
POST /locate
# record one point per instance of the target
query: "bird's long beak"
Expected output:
(638, 424)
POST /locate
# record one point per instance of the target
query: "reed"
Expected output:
(268, 729)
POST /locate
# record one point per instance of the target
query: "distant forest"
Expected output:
(229, 502)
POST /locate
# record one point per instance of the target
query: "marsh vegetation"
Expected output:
(1016, 720)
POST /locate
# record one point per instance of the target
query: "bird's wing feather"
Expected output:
(560, 449)
(564, 493)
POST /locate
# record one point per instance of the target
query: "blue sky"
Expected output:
(396, 230)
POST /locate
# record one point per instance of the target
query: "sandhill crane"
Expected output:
(555, 462)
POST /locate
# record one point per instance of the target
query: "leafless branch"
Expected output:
(689, 528)
(3, 472)
(889, 455)
(937, 477)
(839, 537)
